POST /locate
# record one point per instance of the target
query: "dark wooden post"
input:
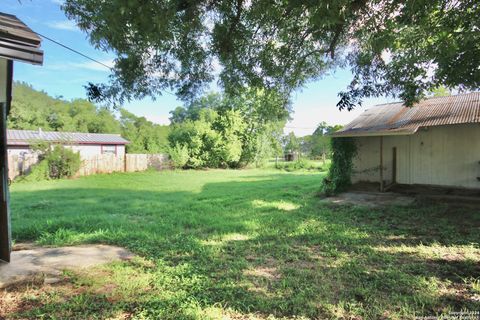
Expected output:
(5, 229)
(17, 42)
(394, 166)
(381, 164)
(5, 233)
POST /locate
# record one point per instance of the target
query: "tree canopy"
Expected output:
(316, 145)
(320, 141)
(221, 131)
(397, 48)
(32, 109)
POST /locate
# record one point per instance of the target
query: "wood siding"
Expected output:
(445, 155)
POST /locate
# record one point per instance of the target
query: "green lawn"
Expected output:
(246, 244)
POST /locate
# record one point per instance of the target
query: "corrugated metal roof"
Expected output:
(19, 42)
(396, 119)
(26, 137)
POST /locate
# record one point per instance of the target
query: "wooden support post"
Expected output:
(5, 243)
(5, 229)
(394, 166)
(381, 164)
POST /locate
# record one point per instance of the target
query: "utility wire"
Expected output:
(84, 55)
(73, 50)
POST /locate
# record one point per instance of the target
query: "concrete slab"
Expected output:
(371, 199)
(49, 263)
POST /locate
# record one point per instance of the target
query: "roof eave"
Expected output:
(372, 134)
(104, 143)
(14, 51)
(28, 143)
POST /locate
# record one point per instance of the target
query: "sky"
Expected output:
(65, 74)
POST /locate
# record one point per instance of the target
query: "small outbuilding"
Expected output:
(435, 142)
(20, 142)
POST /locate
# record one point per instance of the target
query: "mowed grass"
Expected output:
(251, 244)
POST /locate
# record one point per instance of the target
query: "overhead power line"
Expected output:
(83, 55)
(73, 50)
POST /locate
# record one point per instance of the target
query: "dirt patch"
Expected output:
(270, 273)
(9, 303)
(267, 270)
(24, 297)
(367, 194)
(371, 199)
(262, 277)
(460, 292)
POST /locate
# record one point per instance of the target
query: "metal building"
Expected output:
(435, 142)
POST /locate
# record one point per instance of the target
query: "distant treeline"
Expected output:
(32, 109)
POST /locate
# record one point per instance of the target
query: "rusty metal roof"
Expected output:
(19, 42)
(27, 137)
(396, 119)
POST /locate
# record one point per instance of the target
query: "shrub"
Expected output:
(38, 172)
(55, 163)
(179, 155)
(62, 162)
(212, 141)
(300, 164)
(340, 171)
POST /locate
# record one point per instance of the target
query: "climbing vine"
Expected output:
(339, 174)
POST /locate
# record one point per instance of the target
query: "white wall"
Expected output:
(444, 155)
(86, 151)
(19, 151)
(120, 150)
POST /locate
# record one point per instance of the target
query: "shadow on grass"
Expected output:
(266, 245)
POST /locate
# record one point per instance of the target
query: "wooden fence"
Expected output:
(104, 163)
(21, 165)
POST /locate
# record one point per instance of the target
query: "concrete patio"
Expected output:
(47, 264)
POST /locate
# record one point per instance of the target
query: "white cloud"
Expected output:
(307, 116)
(87, 65)
(63, 25)
(59, 2)
(305, 120)
(91, 65)
(158, 119)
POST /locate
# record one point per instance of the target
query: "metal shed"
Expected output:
(87, 144)
(435, 142)
(17, 42)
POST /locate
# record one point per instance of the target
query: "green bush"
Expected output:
(223, 131)
(62, 162)
(55, 163)
(38, 172)
(340, 171)
(178, 155)
(301, 164)
(212, 141)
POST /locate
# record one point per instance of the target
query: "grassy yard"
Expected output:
(246, 244)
